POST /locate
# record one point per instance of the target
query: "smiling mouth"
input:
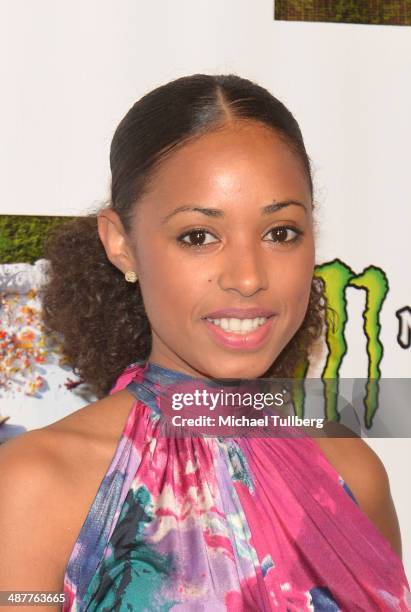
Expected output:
(239, 326)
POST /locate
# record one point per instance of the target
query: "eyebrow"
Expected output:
(217, 212)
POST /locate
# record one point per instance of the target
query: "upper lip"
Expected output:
(240, 313)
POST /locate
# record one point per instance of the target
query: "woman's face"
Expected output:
(225, 276)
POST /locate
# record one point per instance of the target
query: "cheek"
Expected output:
(295, 287)
(169, 293)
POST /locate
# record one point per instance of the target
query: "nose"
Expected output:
(243, 271)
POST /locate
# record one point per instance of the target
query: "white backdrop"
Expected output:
(70, 70)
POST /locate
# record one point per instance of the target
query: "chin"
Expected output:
(231, 367)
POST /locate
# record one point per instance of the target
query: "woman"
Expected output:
(201, 267)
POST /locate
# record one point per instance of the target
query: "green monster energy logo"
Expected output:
(337, 276)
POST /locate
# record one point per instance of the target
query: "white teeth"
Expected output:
(239, 326)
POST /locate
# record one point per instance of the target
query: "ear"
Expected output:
(115, 241)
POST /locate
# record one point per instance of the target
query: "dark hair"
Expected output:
(101, 318)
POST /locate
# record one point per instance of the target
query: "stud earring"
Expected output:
(130, 276)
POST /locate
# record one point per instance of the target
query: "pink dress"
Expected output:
(213, 524)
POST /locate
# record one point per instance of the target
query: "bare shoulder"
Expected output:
(31, 513)
(366, 476)
(89, 431)
(48, 480)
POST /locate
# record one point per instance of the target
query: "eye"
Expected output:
(280, 233)
(197, 238)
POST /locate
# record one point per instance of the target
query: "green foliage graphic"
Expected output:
(22, 237)
(373, 12)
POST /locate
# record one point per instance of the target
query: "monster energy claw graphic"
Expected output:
(337, 277)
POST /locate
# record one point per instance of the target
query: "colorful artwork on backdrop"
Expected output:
(24, 344)
(371, 12)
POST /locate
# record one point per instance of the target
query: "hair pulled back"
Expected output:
(100, 317)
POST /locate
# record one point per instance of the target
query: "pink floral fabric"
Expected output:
(237, 524)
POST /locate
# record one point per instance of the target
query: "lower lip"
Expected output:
(248, 341)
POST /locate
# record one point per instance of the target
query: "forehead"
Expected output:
(240, 159)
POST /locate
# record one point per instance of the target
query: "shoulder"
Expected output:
(26, 455)
(366, 476)
(30, 474)
(48, 479)
(40, 455)
(89, 429)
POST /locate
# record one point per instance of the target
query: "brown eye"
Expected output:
(196, 238)
(281, 232)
